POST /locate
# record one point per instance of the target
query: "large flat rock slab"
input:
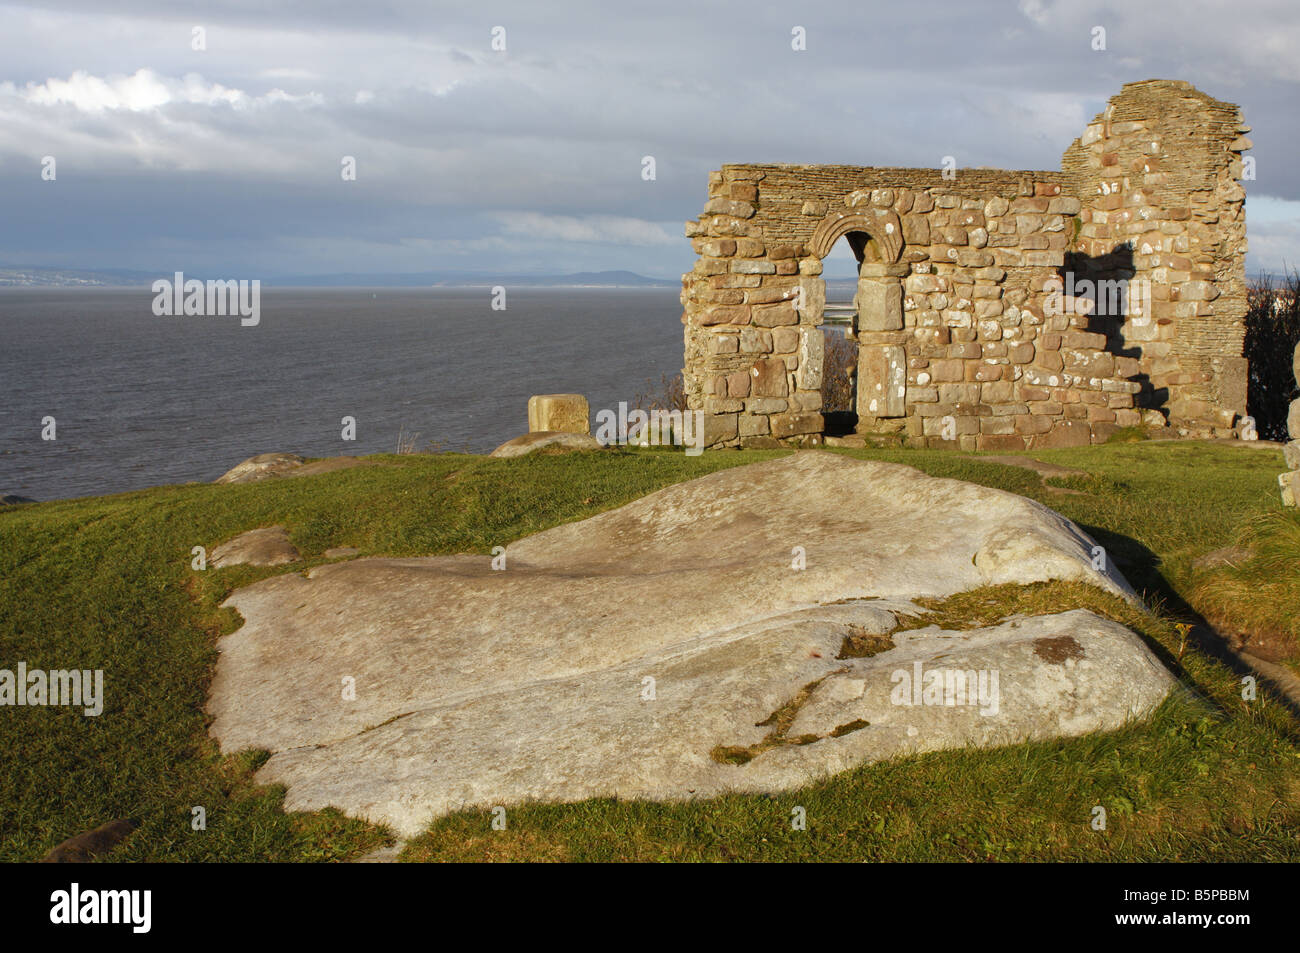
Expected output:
(636, 652)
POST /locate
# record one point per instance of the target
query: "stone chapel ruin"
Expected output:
(971, 329)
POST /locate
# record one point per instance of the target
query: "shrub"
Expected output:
(838, 365)
(1272, 331)
(670, 394)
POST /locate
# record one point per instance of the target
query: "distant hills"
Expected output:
(25, 277)
(20, 277)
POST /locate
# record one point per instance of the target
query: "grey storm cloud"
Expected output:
(530, 159)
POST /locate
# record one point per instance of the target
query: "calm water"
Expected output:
(141, 400)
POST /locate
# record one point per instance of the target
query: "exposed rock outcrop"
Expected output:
(739, 632)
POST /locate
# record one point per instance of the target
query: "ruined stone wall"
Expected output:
(965, 336)
(958, 342)
(1157, 174)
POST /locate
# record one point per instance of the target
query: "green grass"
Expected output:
(1161, 784)
(106, 583)
(1259, 597)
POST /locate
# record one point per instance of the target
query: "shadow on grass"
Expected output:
(1142, 568)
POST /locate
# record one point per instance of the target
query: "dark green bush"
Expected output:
(1272, 330)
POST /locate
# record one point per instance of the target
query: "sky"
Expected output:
(210, 137)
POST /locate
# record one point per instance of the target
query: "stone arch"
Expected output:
(876, 237)
(881, 225)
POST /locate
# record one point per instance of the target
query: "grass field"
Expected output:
(105, 583)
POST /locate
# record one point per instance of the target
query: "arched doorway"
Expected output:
(839, 329)
(875, 239)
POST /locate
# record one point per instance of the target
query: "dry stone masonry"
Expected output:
(997, 310)
(1290, 481)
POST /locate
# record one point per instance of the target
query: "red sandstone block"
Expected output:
(738, 384)
(1065, 433)
(1046, 408)
(987, 441)
(1033, 423)
(725, 314)
(1126, 366)
(1049, 360)
(775, 315)
(984, 372)
(1021, 353)
(1084, 339)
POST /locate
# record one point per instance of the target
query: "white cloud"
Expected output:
(1034, 10)
(1273, 230)
(446, 131)
(141, 91)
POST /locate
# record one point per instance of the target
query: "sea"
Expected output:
(140, 400)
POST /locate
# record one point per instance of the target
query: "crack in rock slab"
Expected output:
(477, 687)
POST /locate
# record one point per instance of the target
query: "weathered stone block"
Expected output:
(882, 381)
(722, 405)
(1066, 433)
(806, 400)
(723, 248)
(1291, 453)
(785, 340)
(789, 425)
(769, 295)
(768, 378)
(1032, 424)
(812, 353)
(563, 413)
(1196, 291)
(1000, 442)
(1289, 483)
(810, 302)
(774, 315)
(730, 207)
(725, 314)
(880, 304)
(738, 384)
(723, 343)
(755, 341)
(766, 405)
